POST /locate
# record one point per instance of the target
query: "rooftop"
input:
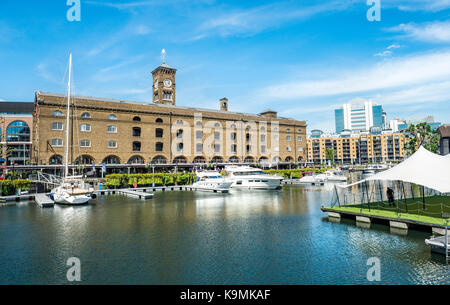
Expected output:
(150, 104)
(16, 107)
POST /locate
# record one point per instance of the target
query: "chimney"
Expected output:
(224, 104)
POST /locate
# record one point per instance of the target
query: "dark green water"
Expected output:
(245, 237)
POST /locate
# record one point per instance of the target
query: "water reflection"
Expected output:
(245, 237)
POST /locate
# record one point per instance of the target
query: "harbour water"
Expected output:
(244, 237)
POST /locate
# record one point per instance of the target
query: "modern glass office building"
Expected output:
(359, 115)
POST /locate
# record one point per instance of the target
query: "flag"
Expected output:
(104, 167)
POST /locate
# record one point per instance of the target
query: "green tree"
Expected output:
(421, 134)
(330, 154)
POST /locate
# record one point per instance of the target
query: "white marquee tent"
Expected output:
(422, 168)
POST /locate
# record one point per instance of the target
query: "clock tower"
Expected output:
(164, 83)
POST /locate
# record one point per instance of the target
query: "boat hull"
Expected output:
(65, 198)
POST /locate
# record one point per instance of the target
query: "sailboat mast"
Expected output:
(66, 172)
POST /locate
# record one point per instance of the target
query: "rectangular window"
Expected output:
(233, 136)
(263, 138)
(216, 135)
(263, 149)
(199, 135)
(167, 96)
(112, 144)
(112, 129)
(234, 148)
(85, 128)
(85, 143)
(300, 139)
(199, 148)
(288, 138)
(57, 126)
(57, 143)
(216, 148)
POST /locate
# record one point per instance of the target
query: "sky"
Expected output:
(300, 58)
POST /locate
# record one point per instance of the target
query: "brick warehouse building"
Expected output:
(117, 132)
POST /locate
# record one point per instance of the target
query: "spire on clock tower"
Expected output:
(164, 82)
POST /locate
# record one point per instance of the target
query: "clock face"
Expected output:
(167, 83)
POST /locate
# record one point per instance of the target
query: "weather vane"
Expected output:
(163, 55)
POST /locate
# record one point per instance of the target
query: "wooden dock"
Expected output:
(44, 201)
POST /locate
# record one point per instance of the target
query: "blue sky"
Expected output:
(301, 58)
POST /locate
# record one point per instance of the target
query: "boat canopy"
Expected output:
(422, 168)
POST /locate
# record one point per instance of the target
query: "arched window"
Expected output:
(136, 146)
(199, 159)
(263, 160)
(288, 159)
(233, 126)
(199, 124)
(217, 160)
(159, 147)
(263, 129)
(159, 160)
(136, 132)
(249, 160)
(233, 159)
(180, 160)
(180, 133)
(84, 160)
(18, 131)
(180, 122)
(136, 160)
(86, 115)
(112, 117)
(288, 130)
(276, 159)
(217, 125)
(159, 133)
(57, 113)
(56, 160)
(111, 160)
(136, 119)
(159, 121)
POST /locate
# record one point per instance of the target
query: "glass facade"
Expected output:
(377, 116)
(339, 119)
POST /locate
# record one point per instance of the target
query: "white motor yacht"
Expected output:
(310, 178)
(246, 177)
(333, 175)
(211, 180)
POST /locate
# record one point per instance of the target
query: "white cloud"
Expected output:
(423, 5)
(257, 19)
(389, 74)
(435, 32)
(393, 46)
(384, 53)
